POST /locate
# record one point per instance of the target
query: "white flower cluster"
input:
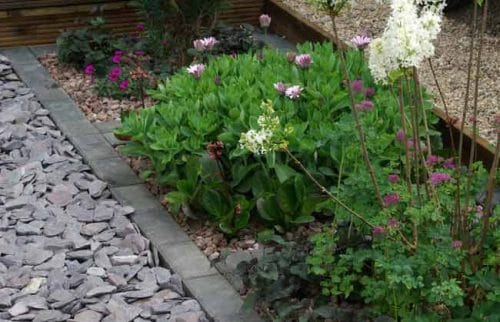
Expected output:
(265, 139)
(407, 38)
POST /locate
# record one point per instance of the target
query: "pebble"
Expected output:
(68, 251)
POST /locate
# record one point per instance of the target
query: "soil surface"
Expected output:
(450, 63)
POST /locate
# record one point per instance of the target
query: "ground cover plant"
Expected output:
(285, 139)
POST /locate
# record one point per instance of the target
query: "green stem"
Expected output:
(405, 141)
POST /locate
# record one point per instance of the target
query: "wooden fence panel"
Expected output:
(33, 22)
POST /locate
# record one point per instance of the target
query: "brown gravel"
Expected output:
(79, 88)
(451, 58)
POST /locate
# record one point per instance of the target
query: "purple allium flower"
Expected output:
(391, 198)
(265, 21)
(449, 164)
(280, 87)
(116, 59)
(304, 61)
(369, 92)
(260, 56)
(293, 92)
(357, 85)
(433, 160)
(378, 230)
(392, 223)
(290, 56)
(439, 177)
(123, 85)
(393, 178)
(114, 73)
(89, 69)
(361, 41)
(196, 70)
(456, 244)
(140, 26)
(217, 80)
(364, 106)
(400, 135)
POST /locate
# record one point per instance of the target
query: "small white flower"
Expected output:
(265, 21)
(196, 70)
(293, 92)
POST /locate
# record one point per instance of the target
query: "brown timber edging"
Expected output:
(295, 28)
(202, 281)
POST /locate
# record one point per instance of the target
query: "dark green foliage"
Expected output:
(89, 45)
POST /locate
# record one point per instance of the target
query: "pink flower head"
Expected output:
(449, 164)
(293, 92)
(456, 244)
(304, 61)
(265, 21)
(205, 44)
(439, 177)
(123, 85)
(361, 41)
(290, 56)
(411, 144)
(215, 150)
(280, 87)
(89, 69)
(364, 106)
(116, 59)
(391, 198)
(433, 160)
(115, 72)
(357, 85)
(196, 70)
(260, 56)
(378, 230)
(392, 223)
(393, 178)
(369, 92)
(400, 135)
(140, 26)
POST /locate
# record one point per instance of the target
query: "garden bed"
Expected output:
(450, 62)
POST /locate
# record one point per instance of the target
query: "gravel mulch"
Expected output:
(79, 88)
(451, 57)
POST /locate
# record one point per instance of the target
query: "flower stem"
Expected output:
(405, 141)
(474, 121)
(361, 133)
(458, 215)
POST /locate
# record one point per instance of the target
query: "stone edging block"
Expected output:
(217, 297)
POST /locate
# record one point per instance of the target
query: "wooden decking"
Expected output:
(32, 22)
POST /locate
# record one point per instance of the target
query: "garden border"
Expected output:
(95, 143)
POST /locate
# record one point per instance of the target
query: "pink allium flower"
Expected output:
(449, 164)
(123, 85)
(280, 87)
(196, 70)
(357, 85)
(364, 106)
(378, 230)
(140, 26)
(369, 92)
(392, 223)
(433, 160)
(391, 198)
(293, 92)
(116, 59)
(89, 69)
(400, 135)
(456, 244)
(304, 61)
(439, 177)
(290, 56)
(361, 41)
(265, 21)
(205, 44)
(393, 178)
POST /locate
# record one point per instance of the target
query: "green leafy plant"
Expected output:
(226, 100)
(90, 45)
